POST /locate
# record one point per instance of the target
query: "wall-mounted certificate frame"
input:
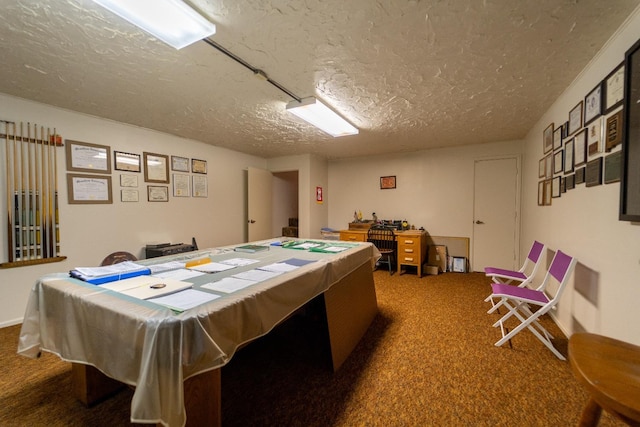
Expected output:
(156, 168)
(594, 137)
(200, 188)
(612, 167)
(387, 182)
(555, 187)
(181, 185)
(580, 175)
(580, 148)
(613, 131)
(547, 192)
(541, 193)
(558, 161)
(613, 89)
(593, 172)
(157, 193)
(87, 157)
(557, 138)
(127, 180)
(548, 166)
(593, 104)
(126, 161)
(541, 168)
(568, 156)
(128, 195)
(547, 139)
(630, 178)
(179, 164)
(575, 119)
(571, 181)
(88, 189)
(198, 166)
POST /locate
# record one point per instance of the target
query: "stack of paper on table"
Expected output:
(109, 273)
(145, 287)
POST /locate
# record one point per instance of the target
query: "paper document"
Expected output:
(229, 284)
(109, 273)
(298, 262)
(184, 300)
(181, 274)
(239, 262)
(165, 266)
(212, 267)
(282, 267)
(145, 287)
(257, 275)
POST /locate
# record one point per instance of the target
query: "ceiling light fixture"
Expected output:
(321, 116)
(309, 109)
(171, 21)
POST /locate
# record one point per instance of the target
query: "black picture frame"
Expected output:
(630, 176)
(547, 139)
(388, 182)
(575, 119)
(612, 168)
(580, 175)
(557, 138)
(593, 104)
(558, 161)
(613, 89)
(556, 190)
(593, 172)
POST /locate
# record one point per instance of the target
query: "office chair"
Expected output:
(523, 276)
(384, 239)
(517, 300)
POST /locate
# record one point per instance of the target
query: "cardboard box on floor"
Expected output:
(437, 257)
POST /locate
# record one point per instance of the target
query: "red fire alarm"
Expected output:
(319, 194)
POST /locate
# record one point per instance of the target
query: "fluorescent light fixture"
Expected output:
(321, 116)
(171, 21)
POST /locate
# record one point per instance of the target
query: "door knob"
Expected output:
(479, 222)
(252, 221)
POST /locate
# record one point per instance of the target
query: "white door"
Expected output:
(496, 214)
(259, 204)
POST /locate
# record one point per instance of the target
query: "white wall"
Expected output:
(90, 232)
(584, 221)
(434, 187)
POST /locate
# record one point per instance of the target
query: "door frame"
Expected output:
(518, 225)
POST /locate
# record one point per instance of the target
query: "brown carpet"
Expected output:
(427, 360)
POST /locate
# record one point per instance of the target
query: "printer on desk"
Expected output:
(163, 249)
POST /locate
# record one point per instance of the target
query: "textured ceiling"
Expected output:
(410, 74)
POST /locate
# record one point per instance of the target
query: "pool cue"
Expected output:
(10, 230)
(29, 226)
(56, 217)
(37, 165)
(20, 187)
(15, 206)
(44, 200)
(50, 230)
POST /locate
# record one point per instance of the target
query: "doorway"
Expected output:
(496, 213)
(272, 198)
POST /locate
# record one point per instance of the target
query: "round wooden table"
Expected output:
(610, 371)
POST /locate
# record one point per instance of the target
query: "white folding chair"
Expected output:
(517, 300)
(526, 273)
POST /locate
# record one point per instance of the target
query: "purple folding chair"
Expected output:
(517, 300)
(526, 273)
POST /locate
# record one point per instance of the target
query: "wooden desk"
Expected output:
(610, 371)
(173, 360)
(412, 246)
